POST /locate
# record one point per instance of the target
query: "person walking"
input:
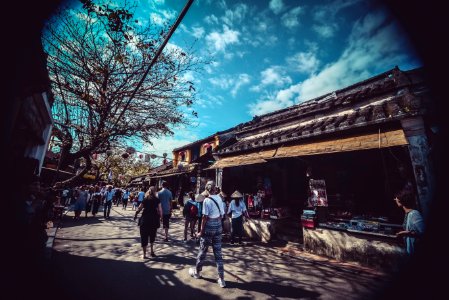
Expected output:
(89, 201)
(149, 222)
(81, 201)
(140, 196)
(190, 213)
(413, 222)
(237, 210)
(125, 199)
(133, 199)
(166, 197)
(96, 200)
(199, 200)
(210, 234)
(108, 197)
(117, 196)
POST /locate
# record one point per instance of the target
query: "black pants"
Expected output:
(125, 203)
(107, 209)
(146, 232)
(237, 228)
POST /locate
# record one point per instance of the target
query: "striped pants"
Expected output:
(212, 236)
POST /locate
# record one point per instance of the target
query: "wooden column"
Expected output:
(421, 162)
(198, 180)
(219, 177)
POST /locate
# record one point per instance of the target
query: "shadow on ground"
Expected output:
(92, 278)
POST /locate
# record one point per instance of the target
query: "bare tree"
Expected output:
(96, 56)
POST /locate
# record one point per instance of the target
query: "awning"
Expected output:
(359, 142)
(245, 159)
(353, 143)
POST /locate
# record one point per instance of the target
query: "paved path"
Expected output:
(95, 258)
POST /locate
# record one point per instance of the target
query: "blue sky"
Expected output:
(271, 54)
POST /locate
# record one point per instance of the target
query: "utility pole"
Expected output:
(156, 56)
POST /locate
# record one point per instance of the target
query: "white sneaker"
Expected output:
(194, 273)
(221, 282)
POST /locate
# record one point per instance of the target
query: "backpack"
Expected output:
(190, 210)
(193, 211)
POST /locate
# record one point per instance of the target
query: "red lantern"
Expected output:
(140, 156)
(94, 156)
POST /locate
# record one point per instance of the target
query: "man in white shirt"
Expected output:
(210, 233)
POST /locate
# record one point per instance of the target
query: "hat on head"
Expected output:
(236, 194)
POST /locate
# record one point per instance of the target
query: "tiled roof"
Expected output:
(381, 99)
(176, 171)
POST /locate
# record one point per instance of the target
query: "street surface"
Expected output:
(94, 258)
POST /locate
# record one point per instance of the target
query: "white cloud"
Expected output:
(211, 20)
(283, 98)
(262, 26)
(241, 53)
(304, 62)
(188, 76)
(157, 18)
(235, 16)
(276, 6)
(231, 82)
(325, 16)
(274, 76)
(168, 143)
(228, 55)
(325, 30)
(170, 47)
(374, 46)
(222, 4)
(157, 2)
(208, 100)
(198, 32)
(291, 18)
(243, 79)
(212, 66)
(220, 40)
(257, 40)
(223, 82)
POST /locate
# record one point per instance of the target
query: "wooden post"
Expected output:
(421, 162)
(198, 180)
(219, 177)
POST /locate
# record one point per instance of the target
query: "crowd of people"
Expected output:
(207, 216)
(89, 198)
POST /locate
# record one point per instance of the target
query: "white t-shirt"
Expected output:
(237, 211)
(210, 209)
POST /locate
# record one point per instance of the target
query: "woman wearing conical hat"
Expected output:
(237, 209)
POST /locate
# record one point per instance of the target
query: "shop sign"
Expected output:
(318, 195)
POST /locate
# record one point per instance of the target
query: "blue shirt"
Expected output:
(413, 222)
(165, 196)
(237, 211)
(140, 196)
(109, 195)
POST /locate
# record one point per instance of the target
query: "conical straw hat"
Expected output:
(236, 194)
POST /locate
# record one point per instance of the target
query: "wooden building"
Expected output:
(365, 141)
